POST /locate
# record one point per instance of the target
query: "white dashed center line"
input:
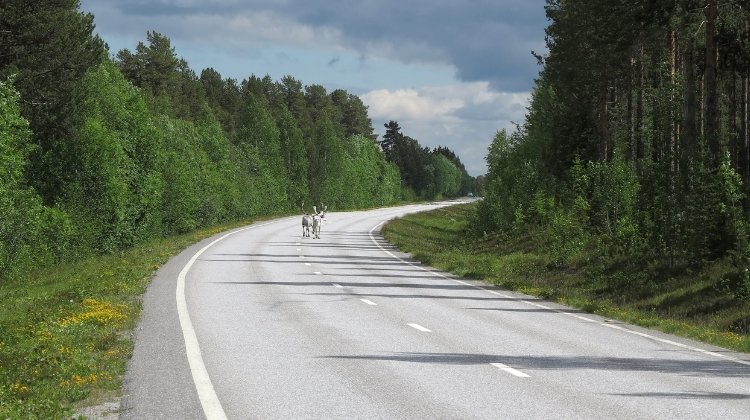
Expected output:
(338, 285)
(419, 327)
(308, 264)
(514, 372)
(369, 302)
(318, 273)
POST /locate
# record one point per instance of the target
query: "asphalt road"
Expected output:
(272, 325)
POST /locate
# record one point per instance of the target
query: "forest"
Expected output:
(100, 150)
(638, 153)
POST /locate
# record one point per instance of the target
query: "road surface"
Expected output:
(260, 323)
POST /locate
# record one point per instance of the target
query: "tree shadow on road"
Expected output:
(707, 368)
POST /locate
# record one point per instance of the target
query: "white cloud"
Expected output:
(258, 28)
(463, 117)
(434, 103)
(244, 29)
(409, 104)
(485, 40)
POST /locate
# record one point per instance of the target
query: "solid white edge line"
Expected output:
(582, 318)
(506, 368)
(209, 400)
(419, 327)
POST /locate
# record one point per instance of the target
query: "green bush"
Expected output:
(31, 234)
(113, 195)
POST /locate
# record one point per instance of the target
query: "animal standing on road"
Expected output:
(307, 222)
(317, 220)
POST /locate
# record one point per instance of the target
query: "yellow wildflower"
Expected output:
(21, 389)
(100, 312)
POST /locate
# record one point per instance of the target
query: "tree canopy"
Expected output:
(643, 145)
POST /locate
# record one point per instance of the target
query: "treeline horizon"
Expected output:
(637, 157)
(99, 153)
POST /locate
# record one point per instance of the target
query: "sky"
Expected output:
(452, 73)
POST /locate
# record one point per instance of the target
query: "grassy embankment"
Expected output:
(689, 304)
(65, 330)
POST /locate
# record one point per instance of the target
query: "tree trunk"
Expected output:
(689, 137)
(744, 141)
(639, 150)
(674, 131)
(710, 81)
(630, 150)
(604, 127)
(743, 135)
(657, 115)
(734, 148)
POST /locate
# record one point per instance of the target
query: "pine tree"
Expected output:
(390, 138)
(48, 46)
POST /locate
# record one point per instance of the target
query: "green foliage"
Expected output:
(608, 202)
(353, 114)
(513, 183)
(369, 180)
(738, 228)
(638, 152)
(190, 198)
(258, 130)
(206, 180)
(114, 193)
(224, 98)
(326, 162)
(295, 157)
(48, 46)
(30, 233)
(262, 193)
(446, 177)
(171, 86)
(424, 173)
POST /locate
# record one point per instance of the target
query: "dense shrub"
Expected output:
(30, 233)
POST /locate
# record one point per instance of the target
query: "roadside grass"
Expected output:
(691, 304)
(65, 330)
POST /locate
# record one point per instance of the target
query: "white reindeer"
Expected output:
(317, 220)
(307, 222)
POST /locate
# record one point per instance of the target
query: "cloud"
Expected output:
(409, 104)
(485, 40)
(464, 101)
(246, 29)
(463, 117)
